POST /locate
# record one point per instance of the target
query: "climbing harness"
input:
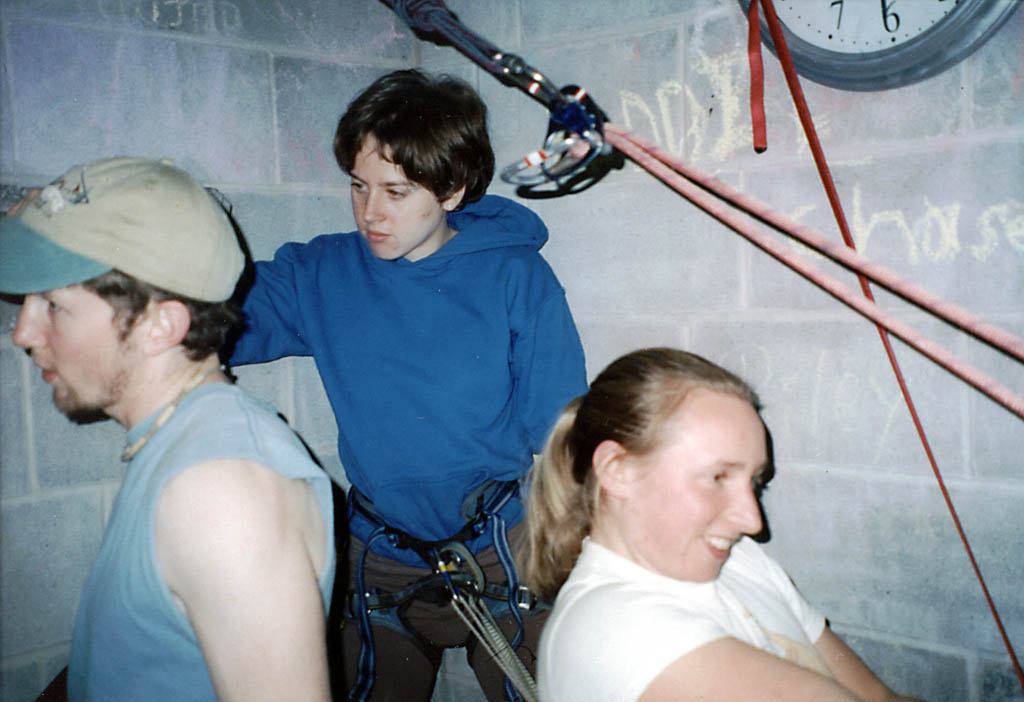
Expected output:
(576, 122)
(456, 578)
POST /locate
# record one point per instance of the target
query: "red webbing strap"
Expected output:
(782, 50)
(757, 118)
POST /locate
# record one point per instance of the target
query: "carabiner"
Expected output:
(575, 138)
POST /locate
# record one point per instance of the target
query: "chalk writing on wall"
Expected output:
(714, 132)
(191, 15)
(822, 386)
(699, 134)
(933, 233)
(928, 232)
(998, 223)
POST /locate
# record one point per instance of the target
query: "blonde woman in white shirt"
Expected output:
(640, 514)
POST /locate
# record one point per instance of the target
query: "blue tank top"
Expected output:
(131, 642)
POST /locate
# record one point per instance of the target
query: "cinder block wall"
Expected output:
(245, 94)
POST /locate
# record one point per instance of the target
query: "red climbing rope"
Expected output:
(789, 70)
(654, 161)
(720, 201)
(994, 336)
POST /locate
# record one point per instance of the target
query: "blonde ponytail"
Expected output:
(558, 512)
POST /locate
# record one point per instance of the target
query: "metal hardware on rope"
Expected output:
(467, 603)
(575, 133)
(575, 138)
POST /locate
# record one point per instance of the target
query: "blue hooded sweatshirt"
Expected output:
(442, 373)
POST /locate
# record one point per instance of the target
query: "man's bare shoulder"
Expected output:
(241, 549)
(222, 488)
(230, 513)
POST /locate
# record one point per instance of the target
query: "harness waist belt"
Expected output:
(433, 588)
(477, 508)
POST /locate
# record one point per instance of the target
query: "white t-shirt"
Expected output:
(616, 625)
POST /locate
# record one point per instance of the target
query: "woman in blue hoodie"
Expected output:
(447, 350)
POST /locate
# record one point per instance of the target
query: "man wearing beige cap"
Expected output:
(217, 563)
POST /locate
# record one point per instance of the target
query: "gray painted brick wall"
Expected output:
(246, 94)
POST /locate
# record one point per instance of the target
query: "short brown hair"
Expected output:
(211, 322)
(433, 127)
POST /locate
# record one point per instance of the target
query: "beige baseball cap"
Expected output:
(145, 218)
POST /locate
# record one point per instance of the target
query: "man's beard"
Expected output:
(86, 415)
(80, 411)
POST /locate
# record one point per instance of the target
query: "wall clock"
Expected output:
(881, 44)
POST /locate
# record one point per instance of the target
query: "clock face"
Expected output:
(859, 26)
(880, 44)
